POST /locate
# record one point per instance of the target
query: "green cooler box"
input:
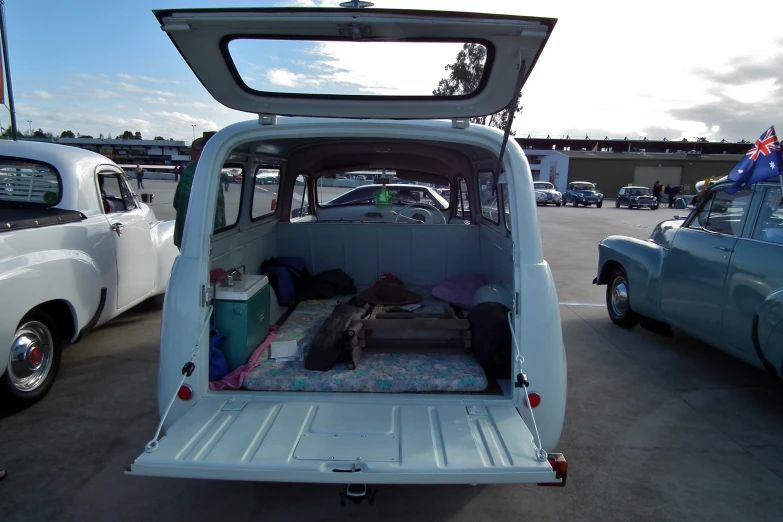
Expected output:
(242, 314)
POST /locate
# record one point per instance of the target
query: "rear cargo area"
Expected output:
(424, 349)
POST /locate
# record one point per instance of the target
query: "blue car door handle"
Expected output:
(725, 249)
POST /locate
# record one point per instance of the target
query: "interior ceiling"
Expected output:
(415, 157)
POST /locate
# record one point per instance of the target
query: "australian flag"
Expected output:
(763, 161)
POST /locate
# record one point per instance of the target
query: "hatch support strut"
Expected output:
(512, 108)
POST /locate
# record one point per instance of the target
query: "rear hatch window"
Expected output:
(25, 181)
(352, 68)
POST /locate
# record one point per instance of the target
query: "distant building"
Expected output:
(611, 171)
(148, 153)
(614, 163)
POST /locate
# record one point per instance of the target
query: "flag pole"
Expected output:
(11, 107)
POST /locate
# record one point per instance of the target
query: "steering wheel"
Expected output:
(421, 212)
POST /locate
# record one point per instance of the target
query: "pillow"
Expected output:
(459, 290)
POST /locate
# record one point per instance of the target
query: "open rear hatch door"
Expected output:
(354, 63)
(241, 438)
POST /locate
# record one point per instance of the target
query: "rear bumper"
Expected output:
(367, 475)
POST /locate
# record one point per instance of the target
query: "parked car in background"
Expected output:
(583, 193)
(408, 201)
(715, 274)
(77, 248)
(636, 197)
(546, 194)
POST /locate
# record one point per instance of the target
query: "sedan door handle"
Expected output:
(117, 227)
(725, 249)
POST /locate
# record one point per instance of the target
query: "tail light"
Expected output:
(534, 398)
(185, 392)
(560, 467)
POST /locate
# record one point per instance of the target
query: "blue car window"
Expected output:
(723, 213)
(769, 226)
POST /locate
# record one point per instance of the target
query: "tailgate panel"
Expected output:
(301, 441)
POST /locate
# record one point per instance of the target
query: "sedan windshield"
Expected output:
(544, 186)
(640, 192)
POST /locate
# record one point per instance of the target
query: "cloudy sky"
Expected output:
(674, 69)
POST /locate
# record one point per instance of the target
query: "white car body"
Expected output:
(84, 268)
(547, 193)
(431, 206)
(399, 438)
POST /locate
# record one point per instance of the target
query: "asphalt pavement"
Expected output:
(663, 429)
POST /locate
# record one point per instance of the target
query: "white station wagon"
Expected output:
(427, 418)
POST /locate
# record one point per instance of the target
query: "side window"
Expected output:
(488, 195)
(622, 192)
(723, 213)
(769, 226)
(229, 199)
(300, 203)
(115, 194)
(462, 200)
(265, 188)
(506, 208)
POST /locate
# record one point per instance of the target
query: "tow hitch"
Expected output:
(356, 493)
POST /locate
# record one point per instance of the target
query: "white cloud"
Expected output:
(149, 79)
(129, 87)
(286, 78)
(42, 95)
(86, 76)
(103, 94)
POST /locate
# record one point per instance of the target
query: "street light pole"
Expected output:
(30, 122)
(7, 67)
(194, 131)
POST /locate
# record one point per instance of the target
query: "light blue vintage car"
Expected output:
(716, 274)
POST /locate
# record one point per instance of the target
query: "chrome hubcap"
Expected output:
(619, 297)
(31, 356)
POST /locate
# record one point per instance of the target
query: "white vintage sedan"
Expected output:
(77, 248)
(407, 203)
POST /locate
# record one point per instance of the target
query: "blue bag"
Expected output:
(287, 276)
(218, 367)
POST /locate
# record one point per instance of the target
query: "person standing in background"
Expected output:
(657, 192)
(139, 177)
(182, 193)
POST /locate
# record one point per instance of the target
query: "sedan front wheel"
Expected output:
(618, 300)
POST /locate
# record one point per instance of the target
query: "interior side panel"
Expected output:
(497, 265)
(249, 248)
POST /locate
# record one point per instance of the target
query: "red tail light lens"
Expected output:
(185, 392)
(534, 398)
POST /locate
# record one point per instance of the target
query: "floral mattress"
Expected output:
(377, 372)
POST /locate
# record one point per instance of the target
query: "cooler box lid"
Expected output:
(242, 290)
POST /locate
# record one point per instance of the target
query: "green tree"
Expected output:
(464, 78)
(137, 136)
(127, 135)
(41, 134)
(67, 134)
(159, 138)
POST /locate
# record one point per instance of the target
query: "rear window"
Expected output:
(352, 68)
(366, 189)
(25, 181)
